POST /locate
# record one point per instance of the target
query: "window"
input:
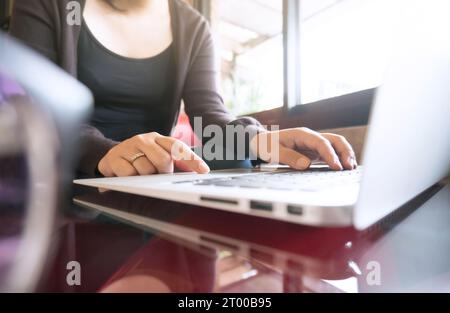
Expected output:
(344, 45)
(249, 34)
(307, 50)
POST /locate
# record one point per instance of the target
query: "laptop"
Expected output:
(407, 151)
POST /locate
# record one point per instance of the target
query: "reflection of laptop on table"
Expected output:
(409, 119)
(301, 253)
(195, 227)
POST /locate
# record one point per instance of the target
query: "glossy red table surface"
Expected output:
(127, 243)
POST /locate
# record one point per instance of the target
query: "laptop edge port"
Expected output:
(261, 206)
(295, 210)
(218, 200)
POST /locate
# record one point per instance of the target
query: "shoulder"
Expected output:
(190, 22)
(187, 13)
(46, 4)
(50, 9)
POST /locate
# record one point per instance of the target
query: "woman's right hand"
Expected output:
(160, 155)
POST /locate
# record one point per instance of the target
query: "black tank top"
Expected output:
(132, 96)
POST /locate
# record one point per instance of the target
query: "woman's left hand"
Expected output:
(285, 147)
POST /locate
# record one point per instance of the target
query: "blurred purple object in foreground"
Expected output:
(9, 88)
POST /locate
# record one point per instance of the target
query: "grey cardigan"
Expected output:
(42, 25)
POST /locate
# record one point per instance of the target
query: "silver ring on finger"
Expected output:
(136, 157)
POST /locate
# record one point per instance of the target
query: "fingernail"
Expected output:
(353, 162)
(338, 164)
(303, 163)
(203, 168)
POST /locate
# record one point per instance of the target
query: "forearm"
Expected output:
(219, 128)
(94, 148)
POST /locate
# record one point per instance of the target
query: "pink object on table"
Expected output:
(183, 131)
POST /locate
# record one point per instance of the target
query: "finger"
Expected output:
(105, 169)
(159, 157)
(182, 154)
(344, 149)
(181, 166)
(312, 140)
(144, 167)
(122, 168)
(294, 159)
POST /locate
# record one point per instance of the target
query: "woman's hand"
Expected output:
(149, 154)
(297, 147)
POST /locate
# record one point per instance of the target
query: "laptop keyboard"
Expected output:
(311, 180)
